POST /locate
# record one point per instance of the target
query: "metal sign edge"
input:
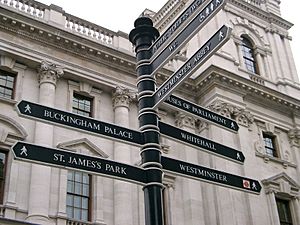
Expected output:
(69, 167)
(210, 121)
(75, 128)
(208, 151)
(212, 182)
(218, 46)
(156, 55)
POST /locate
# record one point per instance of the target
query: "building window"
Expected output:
(248, 56)
(284, 212)
(7, 83)
(270, 145)
(82, 105)
(78, 196)
(3, 157)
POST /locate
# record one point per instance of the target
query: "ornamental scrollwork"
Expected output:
(242, 116)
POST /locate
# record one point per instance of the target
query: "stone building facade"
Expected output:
(56, 59)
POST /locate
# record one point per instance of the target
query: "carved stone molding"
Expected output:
(49, 72)
(83, 146)
(6, 61)
(242, 116)
(184, 120)
(122, 97)
(281, 184)
(294, 137)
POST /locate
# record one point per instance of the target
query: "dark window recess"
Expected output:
(270, 145)
(284, 212)
(3, 157)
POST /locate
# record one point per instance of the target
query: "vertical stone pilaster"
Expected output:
(273, 208)
(294, 140)
(192, 202)
(296, 207)
(123, 212)
(39, 193)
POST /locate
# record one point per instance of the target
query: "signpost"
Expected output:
(210, 175)
(75, 121)
(208, 12)
(196, 110)
(150, 58)
(166, 37)
(193, 63)
(65, 159)
(200, 142)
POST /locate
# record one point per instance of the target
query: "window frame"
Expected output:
(89, 197)
(248, 55)
(288, 216)
(13, 89)
(270, 139)
(85, 98)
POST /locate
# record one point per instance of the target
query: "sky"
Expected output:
(120, 15)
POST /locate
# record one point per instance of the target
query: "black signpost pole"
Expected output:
(142, 37)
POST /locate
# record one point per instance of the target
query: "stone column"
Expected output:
(39, 193)
(296, 207)
(123, 213)
(192, 191)
(260, 64)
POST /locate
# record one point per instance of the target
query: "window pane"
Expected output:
(78, 177)
(77, 214)
(85, 190)
(85, 203)
(85, 179)
(70, 187)
(70, 212)
(70, 175)
(78, 188)
(77, 202)
(84, 215)
(70, 200)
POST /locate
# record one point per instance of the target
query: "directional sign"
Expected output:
(208, 12)
(166, 37)
(196, 110)
(200, 57)
(99, 166)
(44, 113)
(200, 142)
(210, 175)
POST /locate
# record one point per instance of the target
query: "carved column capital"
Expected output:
(242, 116)
(184, 120)
(122, 97)
(49, 72)
(294, 137)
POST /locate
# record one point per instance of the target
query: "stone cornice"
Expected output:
(80, 45)
(257, 12)
(215, 76)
